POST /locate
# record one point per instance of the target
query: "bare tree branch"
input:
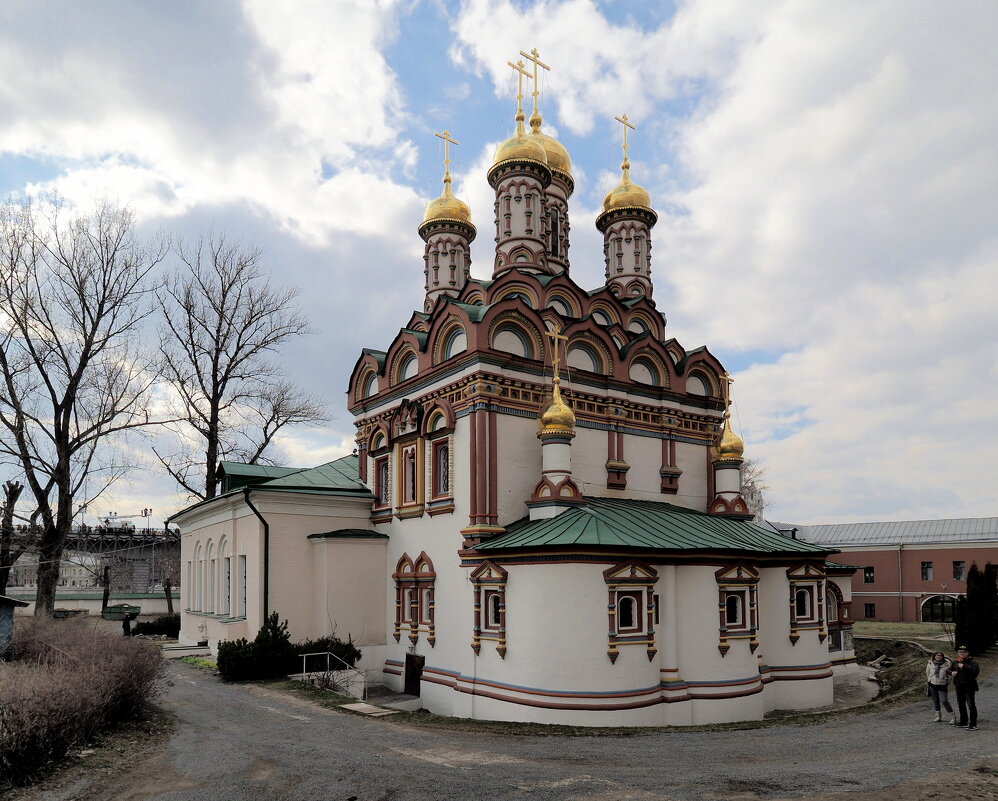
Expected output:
(73, 293)
(222, 319)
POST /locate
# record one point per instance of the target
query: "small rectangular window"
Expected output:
(926, 571)
(868, 575)
(959, 571)
(655, 601)
(869, 610)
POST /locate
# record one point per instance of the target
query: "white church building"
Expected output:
(542, 519)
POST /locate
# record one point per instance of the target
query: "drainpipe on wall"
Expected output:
(900, 596)
(266, 552)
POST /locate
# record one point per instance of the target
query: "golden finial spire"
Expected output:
(535, 57)
(625, 165)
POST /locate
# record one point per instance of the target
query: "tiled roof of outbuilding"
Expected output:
(646, 525)
(906, 532)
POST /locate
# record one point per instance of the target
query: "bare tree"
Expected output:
(222, 321)
(73, 294)
(754, 487)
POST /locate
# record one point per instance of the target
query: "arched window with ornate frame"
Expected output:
(630, 607)
(489, 583)
(415, 605)
(807, 600)
(737, 605)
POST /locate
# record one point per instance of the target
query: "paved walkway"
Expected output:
(235, 743)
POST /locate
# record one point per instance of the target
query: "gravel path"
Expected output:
(235, 743)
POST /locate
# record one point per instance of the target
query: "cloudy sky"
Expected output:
(826, 176)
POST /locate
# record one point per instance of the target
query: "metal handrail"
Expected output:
(347, 667)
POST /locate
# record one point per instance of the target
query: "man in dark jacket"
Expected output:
(964, 672)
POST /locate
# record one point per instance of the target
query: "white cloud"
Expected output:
(254, 125)
(835, 188)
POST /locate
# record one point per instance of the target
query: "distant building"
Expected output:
(908, 571)
(78, 570)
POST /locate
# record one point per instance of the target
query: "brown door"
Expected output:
(413, 673)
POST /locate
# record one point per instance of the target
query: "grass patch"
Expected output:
(199, 662)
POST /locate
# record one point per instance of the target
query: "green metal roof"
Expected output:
(349, 534)
(474, 312)
(341, 475)
(646, 525)
(236, 475)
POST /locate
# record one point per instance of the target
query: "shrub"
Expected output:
(166, 624)
(272, 653)
(236, 660)
(344, 650)
(272, 648)
(66, 683)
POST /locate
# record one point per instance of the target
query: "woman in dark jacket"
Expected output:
(965, 671)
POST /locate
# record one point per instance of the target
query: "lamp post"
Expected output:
(147, 513)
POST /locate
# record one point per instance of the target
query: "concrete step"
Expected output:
(389, 699)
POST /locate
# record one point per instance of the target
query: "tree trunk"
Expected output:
(168, 589)
(49, 559)
(106, 582)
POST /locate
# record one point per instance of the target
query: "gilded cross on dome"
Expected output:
(728, 381)
(520, 73)
(555, 335)
(447, 143)
(626, 124)
(535, 57)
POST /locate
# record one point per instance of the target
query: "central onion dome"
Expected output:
(730, 447)
(447, 207)
(626, 194)
(557, 156)
(558, 416)
(520, 147)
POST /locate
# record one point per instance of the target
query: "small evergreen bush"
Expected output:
(272, 654)
(344, 650)
(236, 660)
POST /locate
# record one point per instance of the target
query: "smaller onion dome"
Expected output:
(520, 147)
(558, 416)
(627, 194)
(730, 447)
(447, 207)
(557, 156)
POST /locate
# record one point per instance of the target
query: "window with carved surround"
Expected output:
(409, 478)
(630, 607)
(737, 605)
(489, 583)
(415, 607)
(807, 600)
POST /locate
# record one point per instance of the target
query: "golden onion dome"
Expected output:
(730, 447)
(557, 156)
(626, 194)
(558, 416)
(520, 146)
(447, 207)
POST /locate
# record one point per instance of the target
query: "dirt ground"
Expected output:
(222, 742)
